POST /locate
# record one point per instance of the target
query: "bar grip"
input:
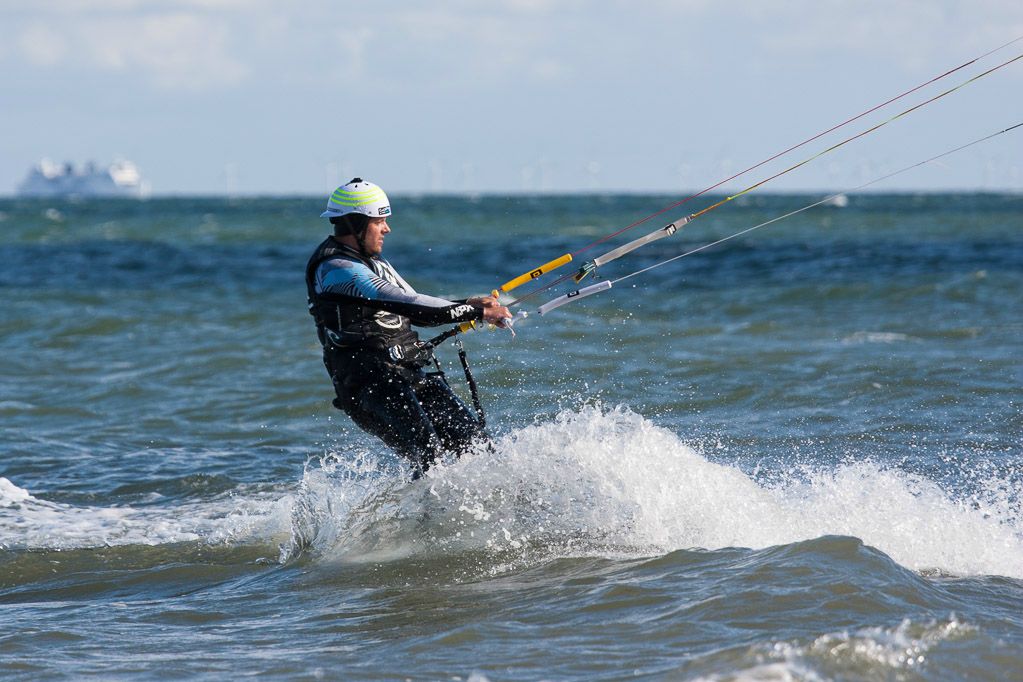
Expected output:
(533, 274)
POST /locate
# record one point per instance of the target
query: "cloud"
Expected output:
(42, 46)
(914, 33)
(551, 70)
(173, 50)
(161, 6)
(178, 51)
(196, 45)
(480, 44)
(354, 43)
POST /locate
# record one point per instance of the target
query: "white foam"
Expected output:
(869, 653)
(27, 522)
(609, 478)
(877, 337)
(593, 480)
(11, 494)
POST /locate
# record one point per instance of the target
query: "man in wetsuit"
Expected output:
(364, 312)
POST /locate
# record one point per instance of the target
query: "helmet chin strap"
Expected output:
(360, 238)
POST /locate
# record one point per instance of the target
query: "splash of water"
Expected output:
(869, 653)
(28, 522)
(598, 480)
(590, 481)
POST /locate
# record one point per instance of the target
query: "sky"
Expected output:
(492, 96)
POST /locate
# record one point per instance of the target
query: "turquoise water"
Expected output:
(794, 456)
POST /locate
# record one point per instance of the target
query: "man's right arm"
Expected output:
(346, 281)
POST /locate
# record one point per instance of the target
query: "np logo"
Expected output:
(536, 273)
(396, 352)
(386, 210)
(573, 294)
(460, 310)
(671, 229)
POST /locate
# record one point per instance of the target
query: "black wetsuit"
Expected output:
(364, 313)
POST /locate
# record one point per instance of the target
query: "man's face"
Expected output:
(374, 239)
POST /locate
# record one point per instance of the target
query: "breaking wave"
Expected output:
(592, 481)
(600, 481)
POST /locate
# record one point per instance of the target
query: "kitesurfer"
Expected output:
(364, 312)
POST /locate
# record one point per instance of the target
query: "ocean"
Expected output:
(794, 456)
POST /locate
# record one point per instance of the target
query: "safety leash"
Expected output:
(472, 383)
(463, 358)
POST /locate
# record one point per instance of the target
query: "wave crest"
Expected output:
(608, 481)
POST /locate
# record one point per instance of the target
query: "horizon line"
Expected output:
(464, 194)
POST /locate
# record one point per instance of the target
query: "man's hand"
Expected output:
(497, 315)
(493, 311)
(485, 301)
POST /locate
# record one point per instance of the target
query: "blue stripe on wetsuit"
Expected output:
(351, 281)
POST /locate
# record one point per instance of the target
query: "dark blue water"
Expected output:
(796, 455)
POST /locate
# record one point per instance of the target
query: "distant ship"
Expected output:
(119, 179)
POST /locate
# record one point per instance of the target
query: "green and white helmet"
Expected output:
(358, 196)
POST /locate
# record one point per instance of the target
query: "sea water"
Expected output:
(796, 455)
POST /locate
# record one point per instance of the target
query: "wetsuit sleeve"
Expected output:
(345, 281)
